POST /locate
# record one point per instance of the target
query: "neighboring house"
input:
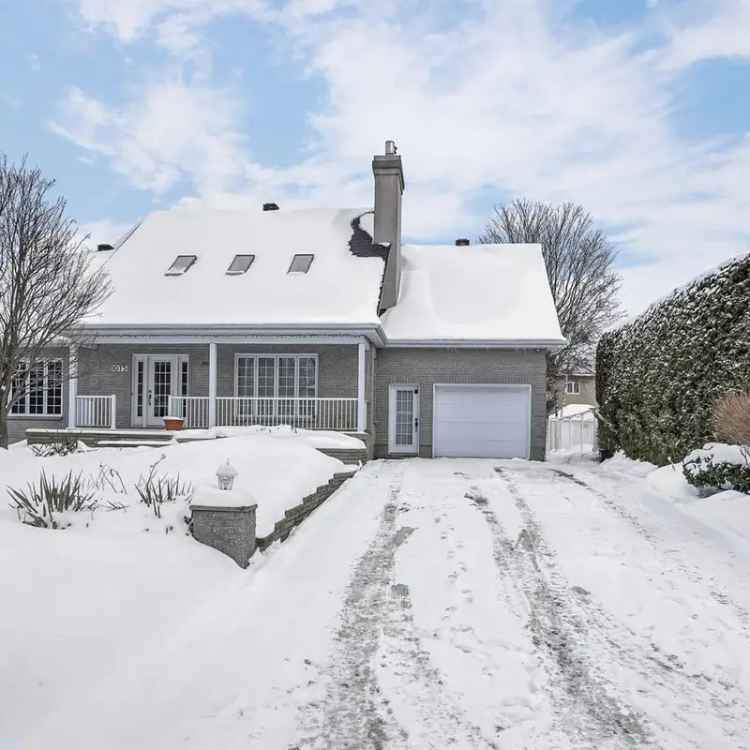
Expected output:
(577, 387)
(316, 318)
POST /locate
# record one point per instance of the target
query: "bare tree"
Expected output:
(579, 260)
(47, 285)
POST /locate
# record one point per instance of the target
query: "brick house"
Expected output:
(319, 319)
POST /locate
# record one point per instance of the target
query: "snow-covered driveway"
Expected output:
(454, 603)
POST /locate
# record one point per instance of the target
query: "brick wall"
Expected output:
(101, 372)
(424, 367)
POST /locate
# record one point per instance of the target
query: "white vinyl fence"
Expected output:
(574, 433)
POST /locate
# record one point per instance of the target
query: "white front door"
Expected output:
(162, 383)
(403, 419)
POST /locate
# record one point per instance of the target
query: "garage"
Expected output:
(481, 421)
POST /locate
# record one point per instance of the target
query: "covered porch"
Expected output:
(315, 383)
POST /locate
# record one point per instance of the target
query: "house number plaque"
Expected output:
(119, 368)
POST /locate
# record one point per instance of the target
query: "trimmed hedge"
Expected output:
(657, 378)
(703, 470)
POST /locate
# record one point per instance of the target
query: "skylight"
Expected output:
(301, 263)
(181, 264)
(240, 264)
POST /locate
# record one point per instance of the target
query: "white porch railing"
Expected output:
(309, 413)
(96, 411)
(193, 409)
(576, 432)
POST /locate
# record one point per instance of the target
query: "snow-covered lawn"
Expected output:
(427, 604)
(277, 468)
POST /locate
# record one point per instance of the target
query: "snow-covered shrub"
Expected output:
(42, 504)
(731, 418)
(719, 466)
(155, 489)
(61, 447)
(659, 376)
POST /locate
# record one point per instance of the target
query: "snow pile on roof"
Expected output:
(493, 293)
(339, 288)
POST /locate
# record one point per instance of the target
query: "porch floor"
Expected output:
(154, 437)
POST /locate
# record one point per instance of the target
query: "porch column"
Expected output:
(212, 385)
(72, 384)
(361, 400)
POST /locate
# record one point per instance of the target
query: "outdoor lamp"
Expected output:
(226, 474)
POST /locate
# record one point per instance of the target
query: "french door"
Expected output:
(156, 377)
(403, 419)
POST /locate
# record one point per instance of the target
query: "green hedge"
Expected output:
(658, 377)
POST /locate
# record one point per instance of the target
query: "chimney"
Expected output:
(462, 242)
(270, 206)
(104, 247)
(389, 185)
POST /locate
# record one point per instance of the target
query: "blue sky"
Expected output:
(638, 110)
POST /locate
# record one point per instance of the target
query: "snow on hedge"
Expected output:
(659, 376)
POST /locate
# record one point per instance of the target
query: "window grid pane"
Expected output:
(162, 387)
(54, 387)
(36, 388)
(19, 386)
(404, 417)
(139, 388)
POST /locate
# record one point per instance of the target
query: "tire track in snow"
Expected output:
(587, 711)
(376, 623)
(690, 570)
(638, 653)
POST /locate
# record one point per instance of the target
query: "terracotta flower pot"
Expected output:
(173, 423)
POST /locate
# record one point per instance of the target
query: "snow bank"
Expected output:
(277, 473)
(314, 438)
(77, 605)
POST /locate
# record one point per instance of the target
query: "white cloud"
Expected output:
(708, 29)
(169, 131)
(512, 99)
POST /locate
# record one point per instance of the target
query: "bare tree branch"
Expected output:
(579, 260)
(47, 285)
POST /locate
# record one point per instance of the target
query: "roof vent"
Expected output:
(462, 242)
(270, 206)
(104, 247)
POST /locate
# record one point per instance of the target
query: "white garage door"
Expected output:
(479, 421)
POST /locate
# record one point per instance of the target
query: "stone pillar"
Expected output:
(227, 528)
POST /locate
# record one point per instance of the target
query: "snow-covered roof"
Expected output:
(490, 293)
(339, 288)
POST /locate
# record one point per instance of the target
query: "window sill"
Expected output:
(32, 417)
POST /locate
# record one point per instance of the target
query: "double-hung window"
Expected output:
(572, 387)
(37, 388)
(280, 385)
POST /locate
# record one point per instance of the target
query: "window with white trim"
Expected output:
(37, 388)
(572, 387)
(278, 381)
